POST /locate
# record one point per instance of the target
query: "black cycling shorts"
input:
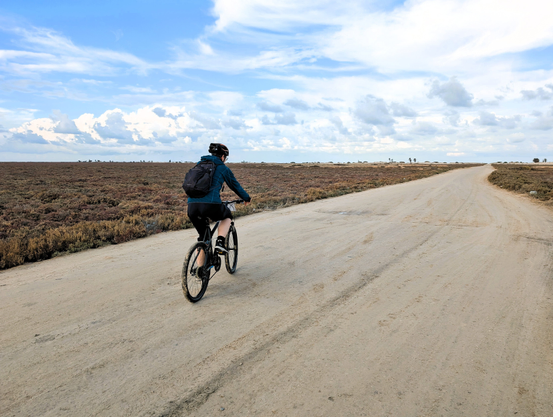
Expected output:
(201, 214)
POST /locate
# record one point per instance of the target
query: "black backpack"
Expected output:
(197, 181)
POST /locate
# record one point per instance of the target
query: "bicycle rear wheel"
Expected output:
(194, 277)
(231, 257)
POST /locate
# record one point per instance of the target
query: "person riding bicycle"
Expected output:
(210, 206)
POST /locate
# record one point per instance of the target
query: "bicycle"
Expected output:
(196, 277)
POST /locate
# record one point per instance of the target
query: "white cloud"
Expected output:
(543, 121)
(540, 93)
(287, 118)
(401, 110)
(451, 92)
(420, 35)
(226, 100)
(336, 121)
(12, 118)
(48, 51)
(206, 122)
(516, 138)
(139, 90)
(29, 137)
(64, 125)
(324, 107)
(115, 127)
(373, 111)
(347, 73)
(489, 119)
(263, 105)
(424, 128)
(297, 104)
(205, 49)
(235, 123)
(452, 117)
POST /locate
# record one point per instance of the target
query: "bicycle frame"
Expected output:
(208, 238)
(192, 272)
(209, 233)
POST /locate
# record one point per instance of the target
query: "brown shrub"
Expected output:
(51, 208)
(524, 178)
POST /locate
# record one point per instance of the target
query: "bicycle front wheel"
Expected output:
(231, 257)
(194, 277)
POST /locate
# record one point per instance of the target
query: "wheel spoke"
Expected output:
(231, 257)
(194, 283)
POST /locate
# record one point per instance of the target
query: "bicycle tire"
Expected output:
(231, 257)
(194, 285)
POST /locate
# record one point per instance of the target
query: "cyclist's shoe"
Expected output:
(201, 273)
(220, 247)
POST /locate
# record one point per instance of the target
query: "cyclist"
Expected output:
(211, 206)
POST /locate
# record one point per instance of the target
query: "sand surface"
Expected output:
(429, 298)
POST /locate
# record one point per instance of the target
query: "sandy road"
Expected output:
(429, 298)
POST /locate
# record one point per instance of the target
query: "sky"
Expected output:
(276, 80)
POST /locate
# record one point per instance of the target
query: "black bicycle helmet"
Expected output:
(218, 149)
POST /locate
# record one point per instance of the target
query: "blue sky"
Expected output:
(280, 81)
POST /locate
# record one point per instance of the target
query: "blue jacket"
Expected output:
(222, 174)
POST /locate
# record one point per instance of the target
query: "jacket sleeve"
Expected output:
(234, 185)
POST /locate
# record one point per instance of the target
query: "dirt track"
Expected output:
(429, 298)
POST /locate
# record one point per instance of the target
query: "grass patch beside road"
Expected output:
(48, 209)
(525, 179)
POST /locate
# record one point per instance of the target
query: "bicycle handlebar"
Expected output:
(233, 201)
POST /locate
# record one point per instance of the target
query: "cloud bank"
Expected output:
(352, 79)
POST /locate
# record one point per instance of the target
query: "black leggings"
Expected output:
(201, 214)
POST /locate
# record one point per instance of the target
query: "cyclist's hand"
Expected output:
(247, 202)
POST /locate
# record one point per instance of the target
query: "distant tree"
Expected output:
(536, 160)
(544, 159)
(410, 160)
(415, 159)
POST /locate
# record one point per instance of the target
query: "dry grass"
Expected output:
(51, 208)
(524, 179)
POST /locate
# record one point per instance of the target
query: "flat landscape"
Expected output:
(47, 209)
(426, 298)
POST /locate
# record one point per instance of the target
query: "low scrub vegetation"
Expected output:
(537, 180)
(48, 209)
